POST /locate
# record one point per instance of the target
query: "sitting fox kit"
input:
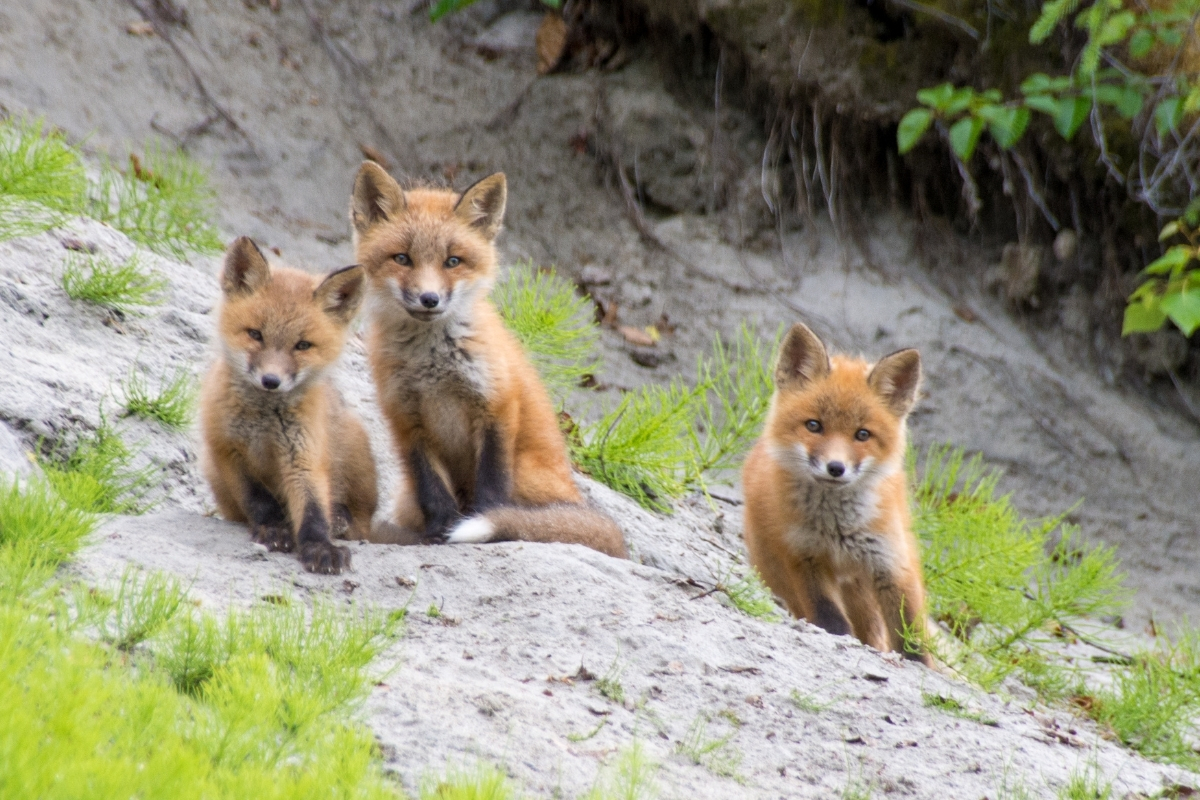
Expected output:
(827, 521)
(282, 452)
(479, 445)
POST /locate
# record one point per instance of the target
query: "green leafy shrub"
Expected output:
(1172, 290)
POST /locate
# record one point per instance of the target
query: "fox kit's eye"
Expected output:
(402, 259)
(452, 262)
(862, 434)
(253, 334)
(813, 426)
(303, 345)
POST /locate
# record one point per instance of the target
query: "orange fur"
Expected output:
(448, 371)
(827, 520)
(292, 460)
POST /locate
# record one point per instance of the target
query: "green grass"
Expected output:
(173, 406)
(658, 442)
(483, 782)
(1005, 587)
(120, 287)
(630, 776)
(1087, 785)
(553, 324)
(42, 178)
(135, 693)
(717, 754)
(163, 200)
(661, 441)
(609, 685)
(750, 595)
(96, 475)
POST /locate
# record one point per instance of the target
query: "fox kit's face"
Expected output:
(428, 252)
(837, 421)
(279, 328)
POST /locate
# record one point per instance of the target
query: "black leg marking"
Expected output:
(434, 499)
(492, 485)
(343, 521)
(317, 553)
(830, 617)
(269, 524)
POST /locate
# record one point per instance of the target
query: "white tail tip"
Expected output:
(472, 530)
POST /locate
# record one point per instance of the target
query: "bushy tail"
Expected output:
(562, 522)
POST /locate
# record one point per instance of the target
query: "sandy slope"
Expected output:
(307, 85)
(486, 677)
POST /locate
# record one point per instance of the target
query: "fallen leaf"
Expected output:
(965, 313)
(637, 336)
(140, 29)
(551, 42)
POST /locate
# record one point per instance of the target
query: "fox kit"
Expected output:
(827, 521)
(480, 449)
(282, 452)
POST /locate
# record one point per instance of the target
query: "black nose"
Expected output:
(430, 299)
(270, 381)
(836, 468)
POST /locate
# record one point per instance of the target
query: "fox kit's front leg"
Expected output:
(438, 507)
(269, 524)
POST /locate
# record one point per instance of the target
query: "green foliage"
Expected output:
(1069, 99)
(174, 404)
(97, 477)
(661, 441)
(716, 754)
(630, 776)
(1152, 705)
(1172, 290)
(484, 782)
(750, 595)
(658, 442)
(552, 322)
(1087, 785)
(163, 201)
(138, 694)
(1003, 586)
(96, 280)
(42, 178)
(38, 532)
(609, 686)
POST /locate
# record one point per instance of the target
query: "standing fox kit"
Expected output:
(282, 452)
(827, 520)
(480, 449)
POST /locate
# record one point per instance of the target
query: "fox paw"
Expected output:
(275, 537)
(324, 557)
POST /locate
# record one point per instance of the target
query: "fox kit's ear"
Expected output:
(482, 205)
(896, 378)
(376, 197)
(245, 270)
(341, 293)
(802, 358)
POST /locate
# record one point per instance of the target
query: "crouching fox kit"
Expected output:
(827, 520)
(282, 452)
(480, 449)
